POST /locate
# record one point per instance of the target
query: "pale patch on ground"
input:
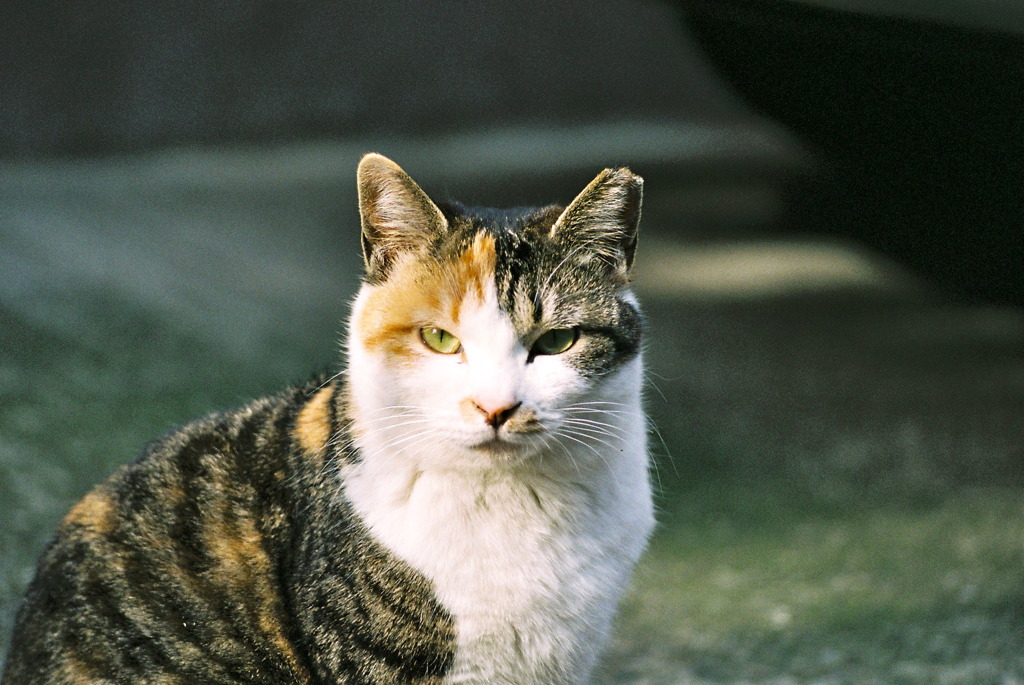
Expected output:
(761, 269)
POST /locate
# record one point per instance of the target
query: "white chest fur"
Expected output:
(530, 562)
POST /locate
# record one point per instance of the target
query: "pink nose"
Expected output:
(496, 417)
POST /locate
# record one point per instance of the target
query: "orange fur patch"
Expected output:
(244, 565)
(419, 293)
(72, 670)
(475, 269)
(94, 511)
(313, 424)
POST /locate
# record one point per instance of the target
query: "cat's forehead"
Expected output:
(521, 236)
(536, 276)
(510, 227)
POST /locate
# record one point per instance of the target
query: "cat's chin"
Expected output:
(502, 450)
(497, 446)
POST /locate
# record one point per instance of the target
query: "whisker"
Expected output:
(402, 439)
(593, 422)
(664, 378)
(589, 435)
(648, 376)
(585, 444)
(668, 453)
(425, 437)
(609, 412)
(392, 407)
(597, 430)
(330, 380)
(568, 453)
(408, 422)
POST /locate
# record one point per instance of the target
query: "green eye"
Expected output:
(440, 340)
(556, 341)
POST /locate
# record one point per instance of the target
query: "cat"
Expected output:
(465, 503)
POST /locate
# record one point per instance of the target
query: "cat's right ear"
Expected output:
(397, 216)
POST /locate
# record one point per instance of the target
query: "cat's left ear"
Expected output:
(397, 216)
(605, 217)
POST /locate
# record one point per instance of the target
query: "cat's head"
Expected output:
(492, 336)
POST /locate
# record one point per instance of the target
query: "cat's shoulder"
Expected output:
(253, 445)
(301, 414)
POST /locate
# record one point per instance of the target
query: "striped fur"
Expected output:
(208, 560)
(386, 527)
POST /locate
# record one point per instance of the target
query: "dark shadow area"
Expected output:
(915, 122)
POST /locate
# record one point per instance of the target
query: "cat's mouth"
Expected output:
(496, 445)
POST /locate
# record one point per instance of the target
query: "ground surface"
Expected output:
(840, 454)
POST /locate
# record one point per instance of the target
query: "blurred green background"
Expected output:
(837, 444)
